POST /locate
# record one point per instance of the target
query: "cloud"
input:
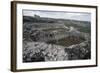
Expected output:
(58, 14)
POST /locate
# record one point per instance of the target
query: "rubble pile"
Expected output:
(49, 39)
(39, 51)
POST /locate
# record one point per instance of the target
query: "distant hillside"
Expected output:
(51, 20)
(83, 26)
(38, 20)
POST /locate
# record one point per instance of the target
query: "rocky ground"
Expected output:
(39, 51)
(52, 41)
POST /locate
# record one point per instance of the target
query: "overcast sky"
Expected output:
(58, 14)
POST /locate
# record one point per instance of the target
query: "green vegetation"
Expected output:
(86, 28)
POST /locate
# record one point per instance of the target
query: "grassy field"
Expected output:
(68, 41)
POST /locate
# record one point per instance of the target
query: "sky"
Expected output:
(59, 14)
